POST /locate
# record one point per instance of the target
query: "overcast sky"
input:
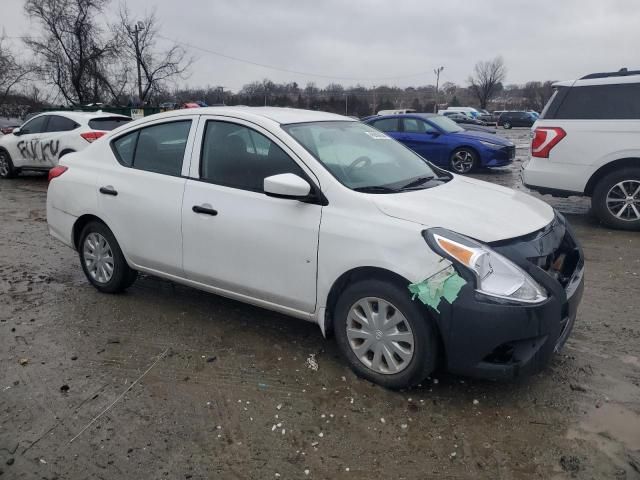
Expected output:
(368, 42)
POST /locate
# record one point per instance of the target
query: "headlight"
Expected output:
(490, 145)
(496, 275)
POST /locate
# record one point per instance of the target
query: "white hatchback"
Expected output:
(324, 218)
(39, 144)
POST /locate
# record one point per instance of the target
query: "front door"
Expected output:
(238, 239)
(423, 139)
(30, 148)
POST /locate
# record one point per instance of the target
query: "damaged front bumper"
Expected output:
(489, 338)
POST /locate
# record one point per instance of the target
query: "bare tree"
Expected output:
(155, 67)
(12, 70)
(487, 79)
(72, 52)
(537, 94)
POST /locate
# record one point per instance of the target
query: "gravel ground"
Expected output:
(185, 384)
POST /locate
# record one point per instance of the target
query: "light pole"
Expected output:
(437, 72)
(137, 28)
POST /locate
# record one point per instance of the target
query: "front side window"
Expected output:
(414, 125)
(61, 124)
(445, 124)
(237, 156)
(158, 148)
(361, 157)
(36, 125)
(387, 124)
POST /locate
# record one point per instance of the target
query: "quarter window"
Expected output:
(159, 148)
(236, 156)
(600, 102)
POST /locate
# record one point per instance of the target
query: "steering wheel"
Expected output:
(364, 160)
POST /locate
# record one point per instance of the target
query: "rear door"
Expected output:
(140, 195)
(60, 136)
(238, 239)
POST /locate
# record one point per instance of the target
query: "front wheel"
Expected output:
(7, 170)
(385, 336)
(463, 160)
(616, 199)
(507, 125)
(102, 260)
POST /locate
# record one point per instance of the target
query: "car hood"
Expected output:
(477, 135)
(477, 209)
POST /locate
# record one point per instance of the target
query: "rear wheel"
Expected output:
(385, 336)
(616, 199)
(102, 260)
(7, 170)
(463, 160)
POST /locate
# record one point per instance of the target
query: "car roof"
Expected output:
(405, 115)
(600, 79)
(279, 115)
(80, 115)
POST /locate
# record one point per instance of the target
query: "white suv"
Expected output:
(326, 219)
(41, 141)
(587, 142)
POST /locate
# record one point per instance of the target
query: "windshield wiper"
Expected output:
(375, 189)
(417, 182)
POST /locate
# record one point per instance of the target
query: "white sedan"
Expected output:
(324, 218)
(44, 139)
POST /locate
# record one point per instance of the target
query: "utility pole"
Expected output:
(137, 28)
(346, 104)
(437, 72)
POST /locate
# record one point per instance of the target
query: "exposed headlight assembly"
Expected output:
(496, 275)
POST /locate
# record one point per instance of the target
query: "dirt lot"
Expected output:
(203, 387)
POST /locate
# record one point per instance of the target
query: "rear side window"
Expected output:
(108, 123)
(239, 157)
(159, 148)
(61, 124)
(599, 102)
(387, 124)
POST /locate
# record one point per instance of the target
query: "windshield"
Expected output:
(445, 124)
(363, 158)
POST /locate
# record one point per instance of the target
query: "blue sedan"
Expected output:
(443, 142)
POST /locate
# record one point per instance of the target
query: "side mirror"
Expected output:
(286, 185)
(17, 132)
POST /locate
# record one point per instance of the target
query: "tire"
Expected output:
(463, 160)
(7, 170)
(419, 360)
(506, 125)
(610, 204)
(97, 236)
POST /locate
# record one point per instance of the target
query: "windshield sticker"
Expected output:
(378, 135)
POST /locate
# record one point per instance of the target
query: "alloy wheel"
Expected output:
(462, 161)
(98, 257)
(623, 200)
(380, 336)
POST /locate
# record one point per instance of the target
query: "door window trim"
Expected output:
(186, 156)
(316, 195)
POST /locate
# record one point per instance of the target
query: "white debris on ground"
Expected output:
(312, 362)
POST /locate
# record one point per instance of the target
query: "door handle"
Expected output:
(205, 210)
(108, 190)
